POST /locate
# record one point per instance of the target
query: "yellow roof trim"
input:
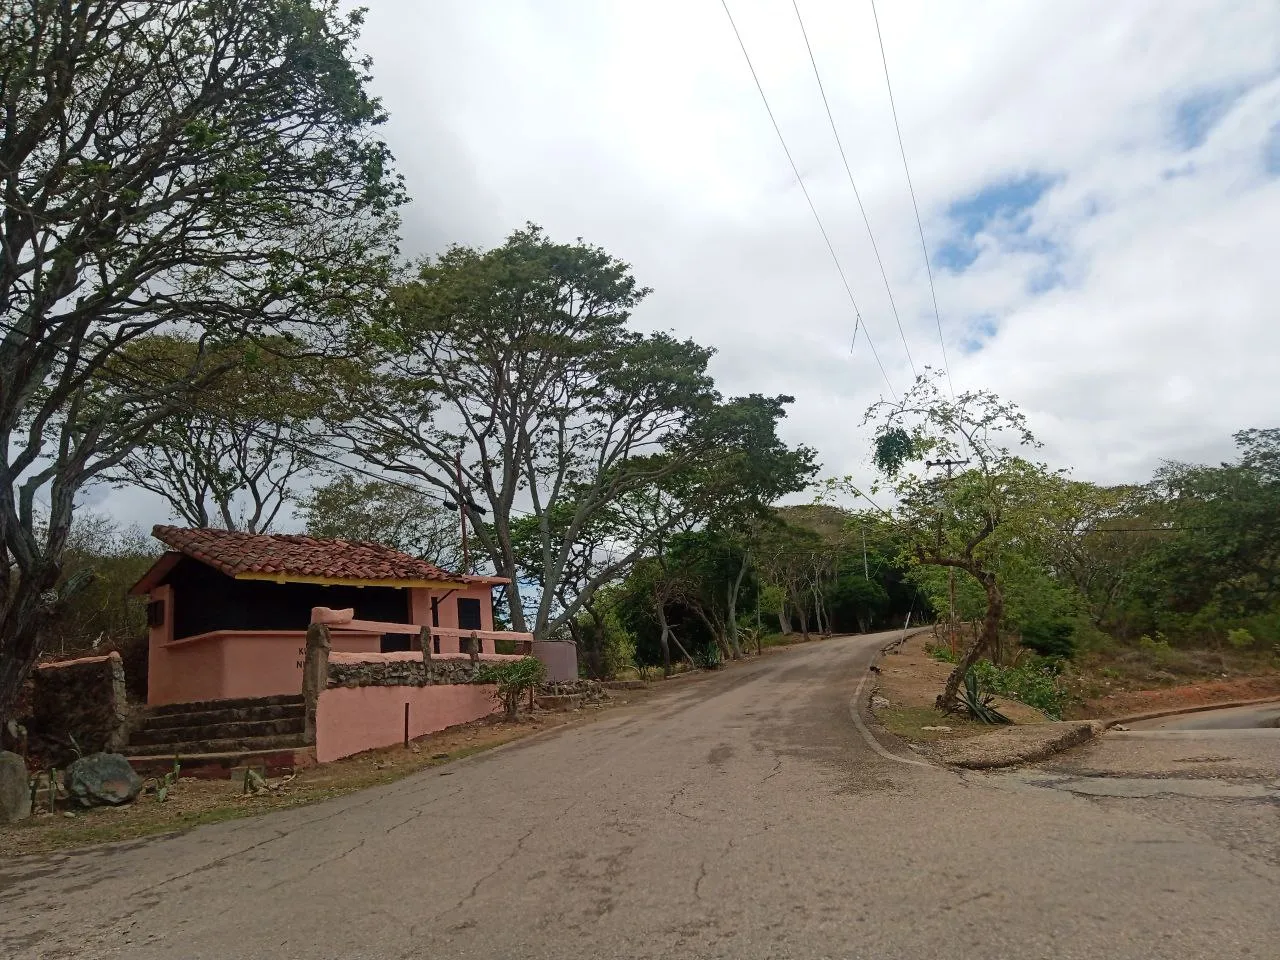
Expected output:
(349, 581)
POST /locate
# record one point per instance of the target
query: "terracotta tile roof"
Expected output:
(296, 555)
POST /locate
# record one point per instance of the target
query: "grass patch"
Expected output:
(910, 722)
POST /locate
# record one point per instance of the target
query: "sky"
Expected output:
(1098, 185)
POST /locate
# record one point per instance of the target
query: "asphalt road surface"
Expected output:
(746, 815)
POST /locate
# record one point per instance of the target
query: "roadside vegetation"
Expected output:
(205, 299)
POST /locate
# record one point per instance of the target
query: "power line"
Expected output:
(812, 209)
(849, 172)
(914, 205)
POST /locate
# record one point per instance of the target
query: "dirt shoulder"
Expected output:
(1180, 697)
(910, 681)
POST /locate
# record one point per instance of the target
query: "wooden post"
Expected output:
(315, 675)
(424, 639)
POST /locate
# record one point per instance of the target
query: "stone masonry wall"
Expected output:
(401, 673)
(84, 699)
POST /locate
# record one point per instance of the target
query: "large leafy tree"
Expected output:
(232, 455)
(1223, 550)
(398, 515)
(204, 169)
(511, 381)
(973, 518)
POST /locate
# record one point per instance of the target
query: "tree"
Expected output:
(1221, 558)
(379, 511)
(509, 380)
(995, 506)
(167, 166)
(231, 456)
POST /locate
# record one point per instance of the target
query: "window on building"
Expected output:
(468, 613)
(155, 613)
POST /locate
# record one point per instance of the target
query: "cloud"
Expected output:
(1099, 185)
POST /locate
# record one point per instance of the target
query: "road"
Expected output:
(744, 815)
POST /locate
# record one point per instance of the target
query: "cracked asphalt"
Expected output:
(744, 815)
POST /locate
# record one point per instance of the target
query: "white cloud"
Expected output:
(637, 127)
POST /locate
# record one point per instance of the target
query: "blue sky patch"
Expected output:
(1271, 152)
(999, 208)
(981, 329)
(1199, 113)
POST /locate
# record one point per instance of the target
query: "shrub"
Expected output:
(707, 657)
(940, 651)
(1034, 683)
(1051, 638)
(514, 678)
(1240, 639)
(977, 701)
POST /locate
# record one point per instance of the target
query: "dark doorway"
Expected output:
(394, 642)
(468, 613)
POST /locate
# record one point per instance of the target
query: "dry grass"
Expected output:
(911, 680)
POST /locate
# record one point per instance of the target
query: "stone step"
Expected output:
(236, 729)
(623, 684)
(231, 704)
(221, 766)
(183, 749)
(253, 714)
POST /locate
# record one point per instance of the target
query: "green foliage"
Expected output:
(977, 702)
(351, 508)
(1241, 639)
(707, 657)
(1055, 639)
(941, 653)
(1035, 682)
(513, 679)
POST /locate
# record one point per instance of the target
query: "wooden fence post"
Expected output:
(315, 676)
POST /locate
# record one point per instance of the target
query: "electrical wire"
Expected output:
(857, 195)
(914, 205)
(858, 321)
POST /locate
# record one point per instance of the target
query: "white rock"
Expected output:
(879, 702)
(936, 728)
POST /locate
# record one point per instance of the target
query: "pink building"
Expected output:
(228, 611)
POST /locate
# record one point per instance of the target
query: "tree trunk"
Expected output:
(662, 640)
(947, 701)
(802, 614)
(732, 605)
(22, 625)
(784, 620)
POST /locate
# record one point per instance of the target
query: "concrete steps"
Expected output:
(213, 737)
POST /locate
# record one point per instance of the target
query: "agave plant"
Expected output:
(978, 702)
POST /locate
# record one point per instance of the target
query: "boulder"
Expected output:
(15, 788)
(102, 779)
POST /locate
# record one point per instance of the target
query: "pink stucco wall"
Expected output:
(227, 664)
(420, 607)
(354, 719)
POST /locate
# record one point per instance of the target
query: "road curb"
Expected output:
(1018, 744)
(1178, 711)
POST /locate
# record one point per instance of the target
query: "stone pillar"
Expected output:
(315, 675)
(424, 640)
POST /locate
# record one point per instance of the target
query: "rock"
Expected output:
(15, 788)
(879, 702)
(102, 779)
(944, 729)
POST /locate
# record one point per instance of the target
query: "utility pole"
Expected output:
(865, 574)
(951, 571)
